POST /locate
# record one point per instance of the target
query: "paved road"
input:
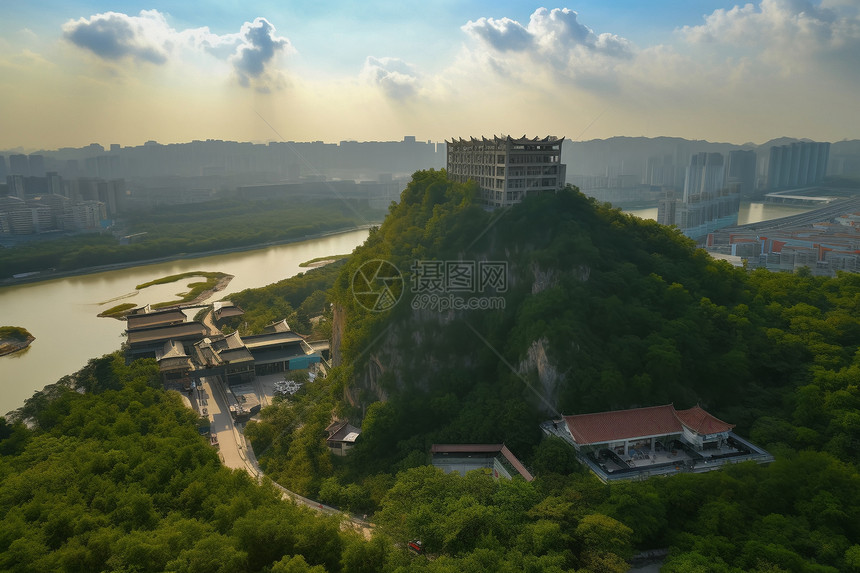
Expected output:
(827, 212)
(210, 324)
(236, 453)
(232, 446)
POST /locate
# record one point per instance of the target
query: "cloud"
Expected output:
(502, 35)
(148, 38)
(556, 32)
(788, 35)
(553, 41)
(257, 49)
(115, 36)
(397, 79)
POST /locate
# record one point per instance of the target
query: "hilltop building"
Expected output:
(658, 440)
(507, 169)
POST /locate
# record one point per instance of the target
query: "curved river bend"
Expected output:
(61, 313)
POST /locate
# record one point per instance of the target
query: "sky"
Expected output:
(74, 72)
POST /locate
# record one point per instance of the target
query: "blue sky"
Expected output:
(77, 72)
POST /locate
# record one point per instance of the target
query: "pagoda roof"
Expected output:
(507, 139)
(235, 355)
(181, 331)
(174, 363)
(260, 341)
(154, 319)
(277, 326)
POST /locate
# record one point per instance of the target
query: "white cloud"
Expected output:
(502, 35)
(116, 36)
(554, 42)
(397, 79)
(790, 36)
(257, 50)
(149, 39)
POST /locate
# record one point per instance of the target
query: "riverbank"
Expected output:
(203, 295)
(14, 339)
(61, 313)
(43, 276)
(322, 261)
(122, 311)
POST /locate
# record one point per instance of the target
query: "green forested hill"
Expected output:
(118, 479)
(601, 311)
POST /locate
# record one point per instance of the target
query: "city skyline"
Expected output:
(82, 72)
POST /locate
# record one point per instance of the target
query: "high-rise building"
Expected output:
(19, 165)
(55, 183)
(705, 174)
(707, 204)
(16, 186)
(37, 165)
(84, 215)
(741, 171)
(799, 164)
(661, 171)
(666, 208)
(507, 169)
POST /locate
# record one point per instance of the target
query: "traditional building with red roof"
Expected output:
(657, 440)
(639, 428)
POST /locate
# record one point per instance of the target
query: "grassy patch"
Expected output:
(14, 333)
(118, 309)
(320, 259)
(211, 277)
(195, 289)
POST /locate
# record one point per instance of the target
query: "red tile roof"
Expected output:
(619, 425)
(701, 422)
(623, 424)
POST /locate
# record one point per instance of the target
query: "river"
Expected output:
(61, 313)
(748, 213)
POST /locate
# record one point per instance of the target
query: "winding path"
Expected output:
(237, 453)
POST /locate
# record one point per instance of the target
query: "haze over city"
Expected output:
(93, 71)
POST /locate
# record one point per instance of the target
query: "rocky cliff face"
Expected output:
(338, 327)
(410, 353)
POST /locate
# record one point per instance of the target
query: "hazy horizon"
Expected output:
(129, 72)
(106, 145)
